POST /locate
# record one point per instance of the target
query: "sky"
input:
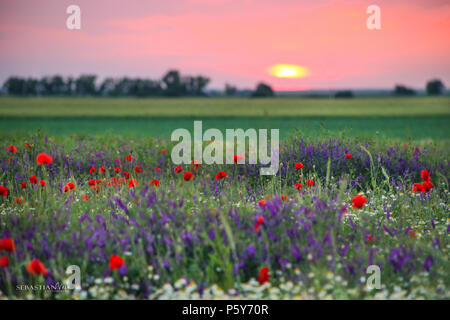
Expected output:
(231, 41)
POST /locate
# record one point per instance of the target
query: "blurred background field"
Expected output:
(402, 118)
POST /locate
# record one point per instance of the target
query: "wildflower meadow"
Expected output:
(343, 218)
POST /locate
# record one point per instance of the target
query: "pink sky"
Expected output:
(231, 41)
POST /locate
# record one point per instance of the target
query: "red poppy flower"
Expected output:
(4, 262)
(188, 176)
(348, 155)
(7, 244)
(43, 158)
(92, 182)
(163, 151)
(299, 166)
(237, 158)
(417, 187)
(263, 276)
(369, 238)
(27, 145)
(115, 262)
(85, 197)
(298, 186)
(220, 175)
(425, 175)
(42, 182)
(36, 267)
(412, 234)
(69, 186)
(154, 183)
(284, 198)
(12, 149)
(126, 175)
(178, 169)
(117, 161)
(309, 183)
(3, 191)
(427, 186)
(117, 170)
(113, 181)
(18, 200)
(33, 179)
(102, 170)
(137, 169)
(133, 183)
(262, 203)
(92, 170)
(129, 157)
(23, 185)
(157, 169)
(358, 201)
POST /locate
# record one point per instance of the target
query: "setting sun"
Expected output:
(288, 71)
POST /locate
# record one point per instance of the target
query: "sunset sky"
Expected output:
(231, 41)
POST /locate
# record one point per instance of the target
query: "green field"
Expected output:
(404, 118)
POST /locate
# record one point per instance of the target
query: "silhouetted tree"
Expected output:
(230, 90)
(15, 86)
(173, 85)
(403, 91)
(45, 86)
(107, 87)
(146, 88)
(57, 85)
(85, 85)
(31, 87)
(194, 86)
(434, 87)
(263, 90)
(70, 86)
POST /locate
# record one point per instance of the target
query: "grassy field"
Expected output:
(106, 196)
(403, 118)
(207, 107)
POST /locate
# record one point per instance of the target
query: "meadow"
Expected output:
(109, 200)
(404, 118)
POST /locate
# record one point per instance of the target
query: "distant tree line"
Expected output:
(432, 88)
(172, 84)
